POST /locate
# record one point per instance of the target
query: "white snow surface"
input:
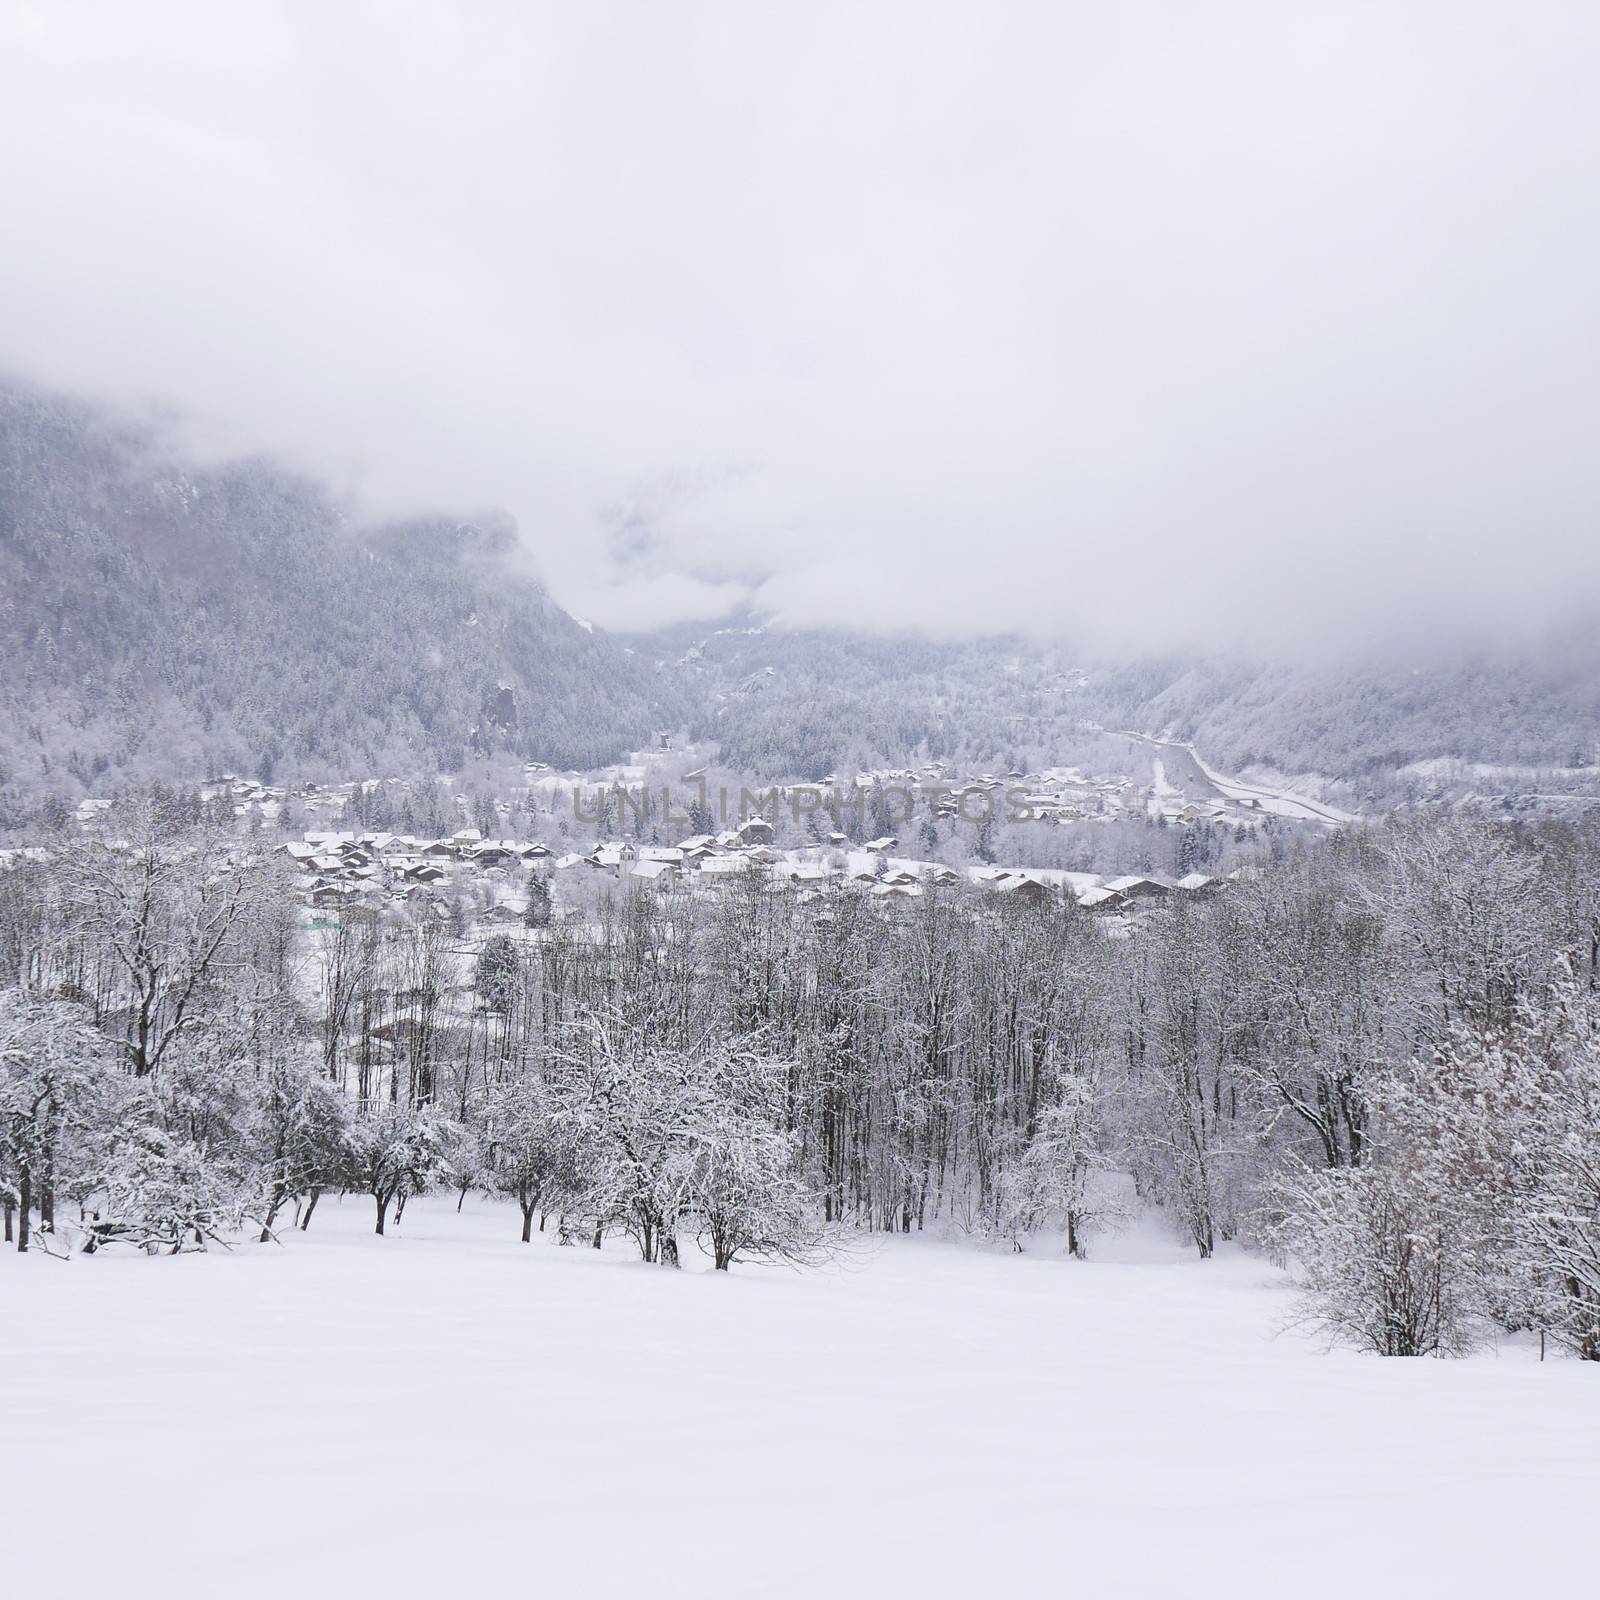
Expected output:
(448, 1412)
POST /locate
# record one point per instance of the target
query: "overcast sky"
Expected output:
(1270, 322)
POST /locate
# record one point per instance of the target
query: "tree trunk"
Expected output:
(383, 1211)
(527, 1224)
(311, 1205)
(11, 1220)
(273, 1206)
(24, 1208)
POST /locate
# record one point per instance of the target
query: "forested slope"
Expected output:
(803, 702)
(158, 621)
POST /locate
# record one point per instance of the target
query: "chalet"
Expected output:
(1018, 887)
(654, 871)
(503, 914)
(756, 830)
(332, 894)
(1140, 888)
(1199, 883)
(1102, 901)
(536, 852)
(898, 891)
(495, 854)
(724, 869)
(881, 846)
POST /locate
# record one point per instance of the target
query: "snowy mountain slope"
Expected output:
(162, 621)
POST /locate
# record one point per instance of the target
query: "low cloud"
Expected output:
(1263, 324)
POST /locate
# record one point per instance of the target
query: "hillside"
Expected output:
(804, 702)
(161, 621)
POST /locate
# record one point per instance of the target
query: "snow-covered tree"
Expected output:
(1054, 1178)
(745, 1186)
(1386, 1258)
(393, 1151)
(529, 1148)
(160, 1192)
(59, 1096)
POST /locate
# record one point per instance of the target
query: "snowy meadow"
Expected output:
(445, 1409)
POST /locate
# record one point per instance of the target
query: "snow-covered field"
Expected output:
(447, 1412)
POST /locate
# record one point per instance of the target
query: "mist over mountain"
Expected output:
(162, 621)
(165, 620)
(807, 701)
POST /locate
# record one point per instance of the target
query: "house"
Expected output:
(756, 830)
(1140, 888)
(1101, 901)
(883, 846)
(654, 871)
(332, 894)
(503, 914)
(536, 852)
(724, 869)
(495, 854)
(898, 891)
(1199, 883)
(1017, 887)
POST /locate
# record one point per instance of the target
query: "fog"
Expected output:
(1238, 324)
